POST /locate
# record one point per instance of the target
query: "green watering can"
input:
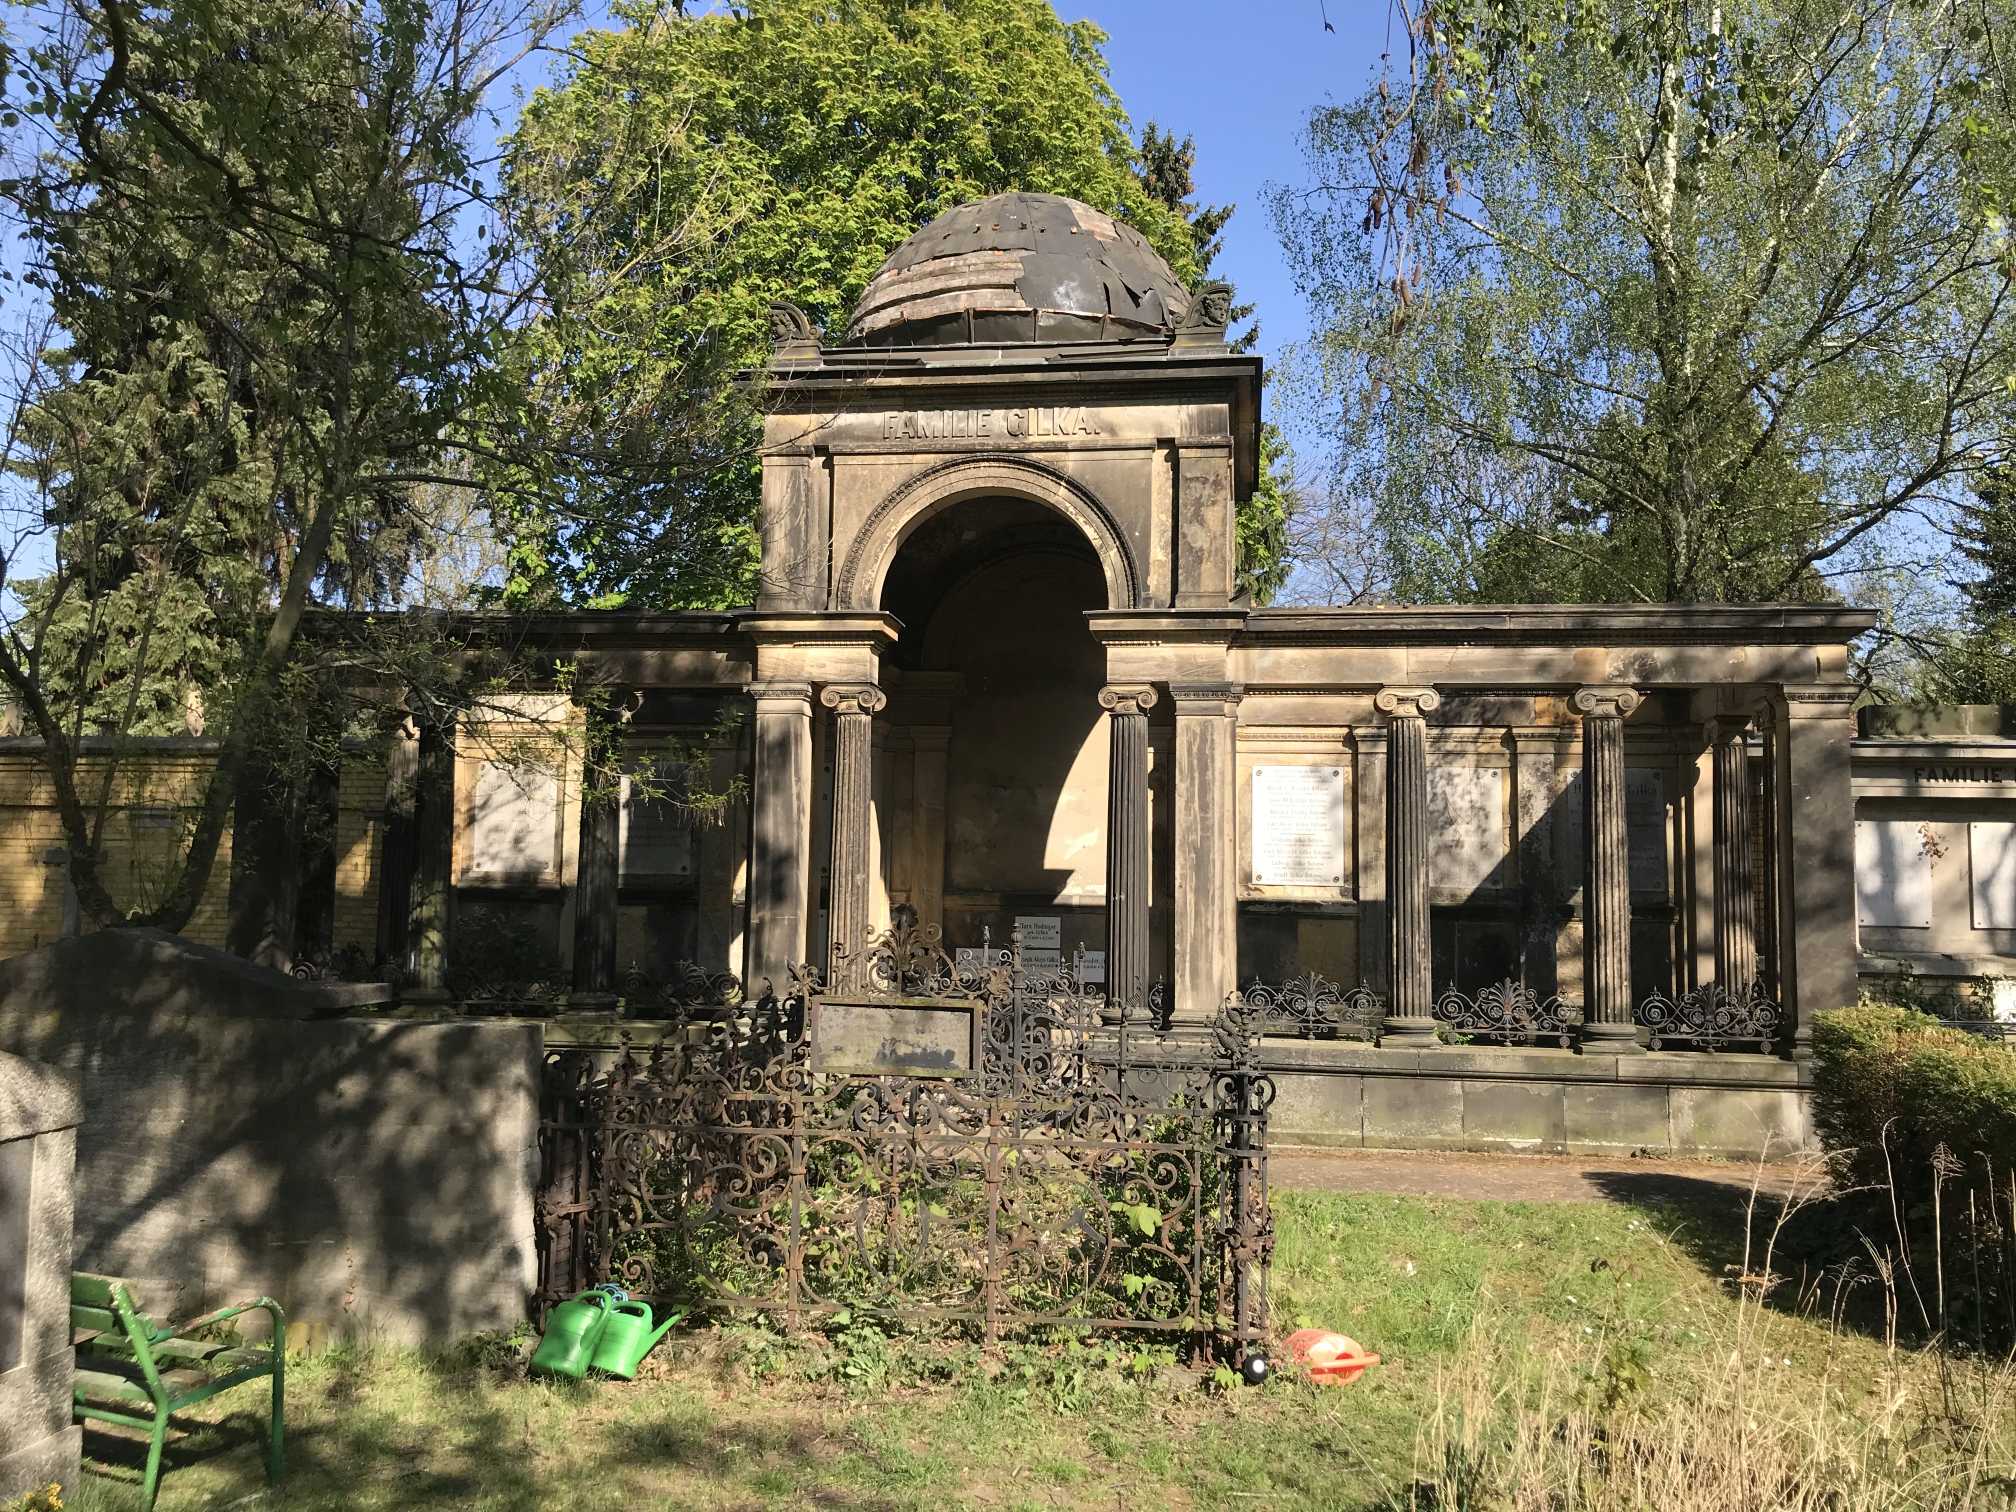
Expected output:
(573, 1330)
(628, 1336)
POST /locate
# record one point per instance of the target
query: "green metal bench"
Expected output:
(127, 1364)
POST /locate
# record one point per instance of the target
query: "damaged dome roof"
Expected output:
(1018, 268)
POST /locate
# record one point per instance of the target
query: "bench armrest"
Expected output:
(224, 1314)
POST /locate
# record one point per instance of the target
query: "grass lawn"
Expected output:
(1526, 1346)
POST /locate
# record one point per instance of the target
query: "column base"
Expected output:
(1409, 1031)
(1612, 1039)
(592, 1001)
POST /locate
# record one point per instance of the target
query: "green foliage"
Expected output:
(1893, 1086)
(1692, 307)
(690, 170)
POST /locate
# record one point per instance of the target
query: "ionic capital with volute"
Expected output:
(1407, 703)
(1606, 700)
(1127, 698)
(853, 698)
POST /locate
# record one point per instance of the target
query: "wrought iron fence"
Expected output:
(1509, 1013)
(979, 1145)
(1314, 1007)
(1712, 1017)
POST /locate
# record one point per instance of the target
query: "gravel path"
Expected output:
(1530, 1178)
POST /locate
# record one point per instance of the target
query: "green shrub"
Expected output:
(1892, 1076)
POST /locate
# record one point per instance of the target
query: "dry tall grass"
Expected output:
(1591, 1425)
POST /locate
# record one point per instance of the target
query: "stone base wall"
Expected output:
(375, 1178)
(1446, 1098)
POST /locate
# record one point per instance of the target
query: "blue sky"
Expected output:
(1241, 80)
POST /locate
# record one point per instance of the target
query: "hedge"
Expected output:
(1888, 1074)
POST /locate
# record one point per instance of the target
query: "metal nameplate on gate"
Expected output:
(894, 1036)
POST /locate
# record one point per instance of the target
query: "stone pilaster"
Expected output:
(1127, 880)
(1735, 885)
(596, 879)
(430, 904)
(396, 851)
(1817, 867)
(1606, 1008)
(1207, 917)
(854, 706)
(780, 832)
(1410, 971)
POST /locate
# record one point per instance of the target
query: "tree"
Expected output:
(691, 170)
(1702, 304)
(271, 299)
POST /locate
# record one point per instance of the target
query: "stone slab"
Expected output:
(1736, 1123)
(32, 1466)
(1428, 1109)
(1515, 1115)
(1626, 1117)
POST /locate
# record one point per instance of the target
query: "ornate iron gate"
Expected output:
(994, 1146)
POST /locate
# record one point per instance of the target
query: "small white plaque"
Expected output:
(1298, 826)
(514, 821)
(1893, 875)
(1041, 932)
(1466, 827)
(1092, 968)
(1991, 855)
(1042, 958)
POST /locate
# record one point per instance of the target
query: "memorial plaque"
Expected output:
(1092, 969)
(1893, 875)
(514, 821)
(1991, 858)
(655, 836)
(893, 1038)
(1042, 958)
(1466, 827)
(1041, 932)
(1298, 826)
(1645, 829)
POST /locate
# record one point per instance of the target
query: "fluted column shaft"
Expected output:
(1127, 882)
(1410, 970)
(1606, 1011)
(1769, 891)
(853, 706)
(433, 859)
(596, 879)
(1735, 881)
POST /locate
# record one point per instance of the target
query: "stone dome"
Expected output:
(1015, 268)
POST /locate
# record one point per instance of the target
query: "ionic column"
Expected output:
(1410, 969)
(1127, 968)
(427, 911)
(1735, 885)
(1207, 918)
(596, 879)
(853, 706)
(780, 832)
(1606, 907)
(1769, 893)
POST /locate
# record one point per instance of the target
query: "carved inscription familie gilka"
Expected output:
(955, 424)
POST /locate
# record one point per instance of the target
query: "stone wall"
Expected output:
(374, 1176)
(38, 1147)
(1469, 1098)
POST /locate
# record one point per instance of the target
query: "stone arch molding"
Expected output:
(946, 483)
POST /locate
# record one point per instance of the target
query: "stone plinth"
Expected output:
(39, 1112)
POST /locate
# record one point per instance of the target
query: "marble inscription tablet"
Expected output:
(1893, 875)
(654, 838)
(1991, 857)
(892, 1039)
(1298, 826)
(1466, 826)
(514, 821)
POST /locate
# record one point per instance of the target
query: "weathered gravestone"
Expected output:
(39, 1110)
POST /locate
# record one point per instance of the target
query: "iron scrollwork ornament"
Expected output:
(1314, 1007)
(1509, 1013)
(1713, 1017)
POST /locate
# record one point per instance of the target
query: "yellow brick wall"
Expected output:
(138, 860)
